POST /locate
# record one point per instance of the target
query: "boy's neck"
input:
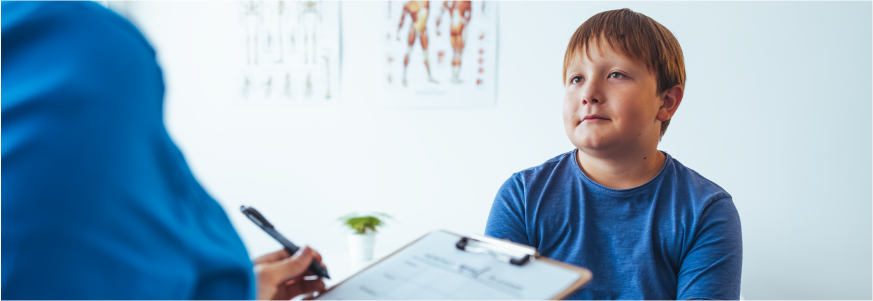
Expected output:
(623, 172)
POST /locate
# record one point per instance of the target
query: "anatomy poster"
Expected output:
(290, 51)
(440, 54)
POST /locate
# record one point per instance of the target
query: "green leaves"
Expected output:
(365, 223)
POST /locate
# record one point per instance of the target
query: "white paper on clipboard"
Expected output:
(433, 268)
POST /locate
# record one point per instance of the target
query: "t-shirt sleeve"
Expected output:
(712, 267)
(506, 220)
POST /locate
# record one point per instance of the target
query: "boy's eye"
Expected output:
(576, 79)
(616, 75)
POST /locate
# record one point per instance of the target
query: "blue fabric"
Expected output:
(98, 201)
(676, 237)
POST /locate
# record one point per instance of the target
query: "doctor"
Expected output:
(99, 201)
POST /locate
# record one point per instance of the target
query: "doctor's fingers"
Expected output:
(304, 287)
(280, 255)
(289, 268)
(271, 257)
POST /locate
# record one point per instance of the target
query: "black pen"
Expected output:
(262, 222)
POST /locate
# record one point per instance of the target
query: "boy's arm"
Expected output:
(506, 219)
(713, 266)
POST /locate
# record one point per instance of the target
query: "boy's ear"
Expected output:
(670, 101)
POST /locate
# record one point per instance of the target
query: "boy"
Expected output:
(645, 225)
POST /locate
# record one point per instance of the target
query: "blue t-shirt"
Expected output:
(675, 237)
(98, 202)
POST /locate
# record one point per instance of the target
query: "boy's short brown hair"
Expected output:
(637, 37)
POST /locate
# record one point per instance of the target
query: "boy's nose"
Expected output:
(592, 92)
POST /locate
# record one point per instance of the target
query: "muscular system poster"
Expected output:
(440, 54)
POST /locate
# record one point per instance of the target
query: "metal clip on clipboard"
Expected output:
(505, 251)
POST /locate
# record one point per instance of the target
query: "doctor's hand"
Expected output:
(280, 275)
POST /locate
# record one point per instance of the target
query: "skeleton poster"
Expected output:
(440, 54)
(290, 51)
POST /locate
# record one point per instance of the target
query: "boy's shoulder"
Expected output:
(692, 182)
(693, 178)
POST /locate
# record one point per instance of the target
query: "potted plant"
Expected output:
(362, 239)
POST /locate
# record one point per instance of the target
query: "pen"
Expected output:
(262, 222)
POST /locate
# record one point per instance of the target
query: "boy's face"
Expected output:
(611, 103)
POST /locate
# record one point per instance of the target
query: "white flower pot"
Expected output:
(361, 246)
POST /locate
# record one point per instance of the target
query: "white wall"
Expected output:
(777, 111)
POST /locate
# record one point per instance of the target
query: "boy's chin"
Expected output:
(593, 144)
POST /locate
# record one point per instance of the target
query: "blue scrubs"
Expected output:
(98, 201)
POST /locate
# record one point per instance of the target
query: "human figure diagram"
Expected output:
(417, 11)
(460, 13)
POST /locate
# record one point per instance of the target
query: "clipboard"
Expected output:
(446, 266)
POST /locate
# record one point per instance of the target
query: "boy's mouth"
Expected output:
(593, 118)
